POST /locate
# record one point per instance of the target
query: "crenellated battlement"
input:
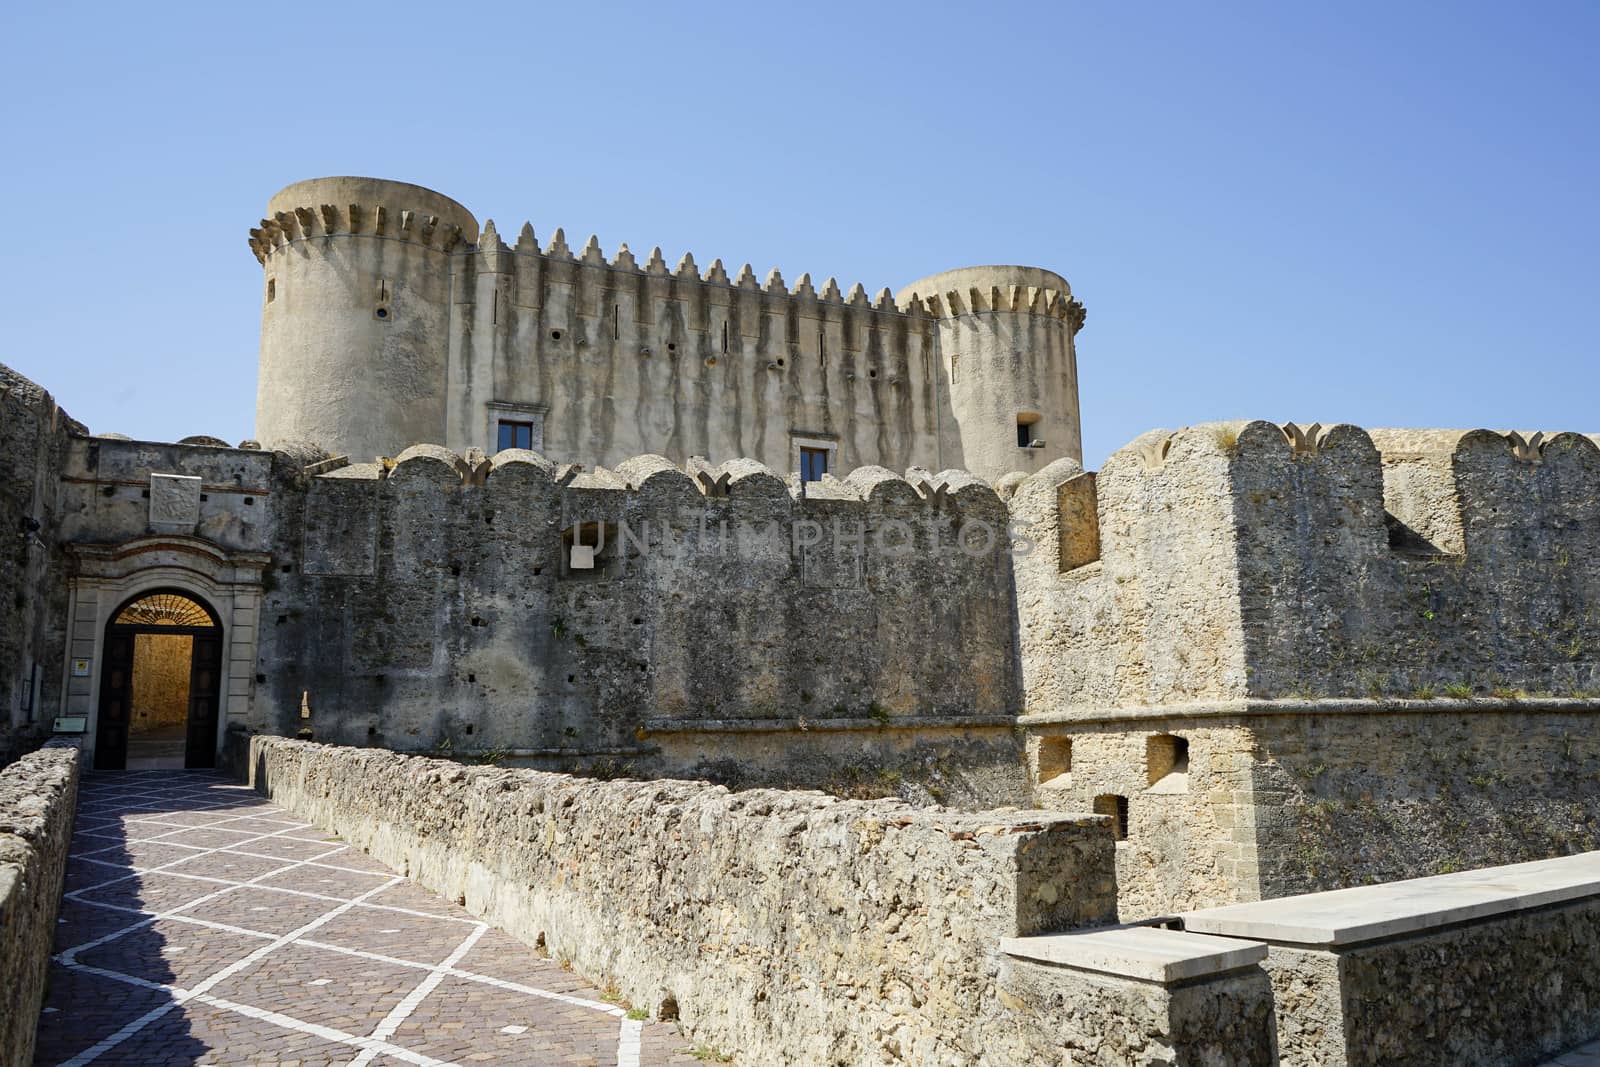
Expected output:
(1260, 559)
(491, 249)
(592, 357)
(999, 289)
(352, 220)
(950, 492)
(361, 207)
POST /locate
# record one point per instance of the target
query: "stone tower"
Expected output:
(1006, 336)
(389, 320)
(355, 319)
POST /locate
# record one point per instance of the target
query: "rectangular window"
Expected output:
(1024, 434)
(813, 464)
(515, 435)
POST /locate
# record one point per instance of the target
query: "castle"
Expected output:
(389, 319)
(537, 507)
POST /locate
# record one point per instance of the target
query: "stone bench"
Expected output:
(1492, 966)
(1145, 995)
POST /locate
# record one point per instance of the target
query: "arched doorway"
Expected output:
(159, 684)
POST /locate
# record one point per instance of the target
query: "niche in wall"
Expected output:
(1167, 759)
(1116, 806)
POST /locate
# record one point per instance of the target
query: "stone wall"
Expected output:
(106, 491)
(1384, 664)
(1355, 798)
(389, 319)
(792, 927)
(34, 438)
(38, 795)
(1282, 798)
(729, 625)
(1252, 560)
(1487, 967)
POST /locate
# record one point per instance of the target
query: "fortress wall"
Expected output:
(1340, 601)
(1269, 562)
(1190, 838)
(624, 358)
(1293, 797)
(730, 627)
(794, 927)
(105, 487)
(1399, 709)
(34, 440)
(1355, 798)
(1132, 595)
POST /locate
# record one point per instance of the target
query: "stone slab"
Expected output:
(1145, 952)
(1396, 909)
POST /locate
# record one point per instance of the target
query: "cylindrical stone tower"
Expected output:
(355, 317)
(1006, 335)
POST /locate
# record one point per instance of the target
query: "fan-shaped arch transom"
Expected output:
(164, 609)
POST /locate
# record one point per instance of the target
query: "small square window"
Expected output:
(813, 464)
(514, 435)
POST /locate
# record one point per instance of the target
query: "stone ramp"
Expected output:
(202, 924)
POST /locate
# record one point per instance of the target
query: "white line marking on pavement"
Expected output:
(628, 1044)
(401, 1011)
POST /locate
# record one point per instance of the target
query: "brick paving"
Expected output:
(203, 925)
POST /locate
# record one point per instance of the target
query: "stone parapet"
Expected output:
(794, 927)
(1251, 560)
(1494, 966)
(38, 795)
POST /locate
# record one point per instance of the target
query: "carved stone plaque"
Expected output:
(174, 500)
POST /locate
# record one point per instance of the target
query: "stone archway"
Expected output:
(109, 578)
(160, 685)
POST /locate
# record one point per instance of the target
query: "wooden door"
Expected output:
(116, 698)
(205, 678)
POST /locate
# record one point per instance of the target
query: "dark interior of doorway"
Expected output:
(159, 685)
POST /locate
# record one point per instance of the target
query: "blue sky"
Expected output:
(1375, 213)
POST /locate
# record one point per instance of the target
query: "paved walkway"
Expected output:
(203, 925)
(1586, 1056)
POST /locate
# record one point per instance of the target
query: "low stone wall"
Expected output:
(38, 795)
(1499, 966)
(1145, 997)
(793, 927)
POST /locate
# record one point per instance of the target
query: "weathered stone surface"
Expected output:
(1147, 953)
(1345, 637)
(792, 926)
(1486, 967)
(1086, 1018)
(1266, 559)
(371, 346)
(34, 433)
(38, 794)
(432, 609)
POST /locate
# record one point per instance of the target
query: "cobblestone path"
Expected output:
(203, 925)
